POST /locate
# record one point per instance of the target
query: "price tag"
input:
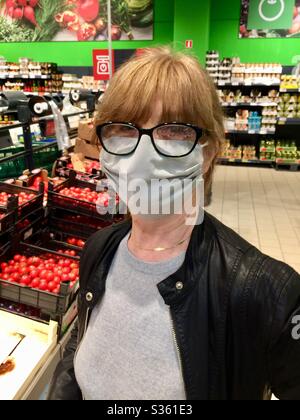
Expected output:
(221, 83)
(44, 76)
(282, 90)
(248, 83)
(235, 84)
(28, 234)
(263, 131)
(251, 131)
(25, 76)
(233, 104)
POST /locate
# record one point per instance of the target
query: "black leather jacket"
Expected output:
(233, 317)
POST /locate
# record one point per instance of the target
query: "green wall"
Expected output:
(224, 30)
(211, 24)
(192, 21)
(80, 53)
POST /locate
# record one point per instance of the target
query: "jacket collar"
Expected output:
(174, 288)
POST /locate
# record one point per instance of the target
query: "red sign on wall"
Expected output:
(101, 64)
(189, 43)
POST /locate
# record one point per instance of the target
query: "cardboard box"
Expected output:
(86, 131)
(89, 150)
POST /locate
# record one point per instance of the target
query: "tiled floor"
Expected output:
(263, 206)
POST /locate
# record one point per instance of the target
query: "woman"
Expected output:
(170, 309)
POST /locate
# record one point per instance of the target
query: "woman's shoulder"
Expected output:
(260, 270)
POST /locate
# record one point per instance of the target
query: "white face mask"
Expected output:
(136, 178)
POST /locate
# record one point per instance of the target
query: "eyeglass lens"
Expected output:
(171, 139)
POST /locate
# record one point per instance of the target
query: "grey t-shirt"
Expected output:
(129, 350)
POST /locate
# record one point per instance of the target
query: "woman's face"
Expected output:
(209, 152)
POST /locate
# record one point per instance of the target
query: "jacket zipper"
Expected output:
(178, 351)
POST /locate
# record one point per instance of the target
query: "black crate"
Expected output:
(5, 240)
(53, 241)
(31, 224)
(7, 221)
(78, 225)
(58, 200)
(49, 303)
(8, 215)
(27, 208)
(61, 169)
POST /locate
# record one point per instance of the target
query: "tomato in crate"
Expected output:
(40, 278)
(83, 197)
(28, 200)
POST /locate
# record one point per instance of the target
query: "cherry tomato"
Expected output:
(4, 265)
(52, 285)
(35, 283)
(49, 277)
(43, 285)
(15, 277)
(56, 279)
(64, 277)
(25, 280)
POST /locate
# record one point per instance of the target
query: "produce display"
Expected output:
(42, 272)
(86, 194)
(23, 198)
(76, 242)
(20, 309)
(90, 165)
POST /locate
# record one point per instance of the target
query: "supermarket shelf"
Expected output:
(235, 104)
(24, 76)
(251, 132)
(248, 84)
(290, 90)
(288, 121)
(41, 93)
(254, 161)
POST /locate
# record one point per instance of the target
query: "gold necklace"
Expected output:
(160, 248)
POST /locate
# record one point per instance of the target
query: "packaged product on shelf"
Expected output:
(287, 151)
(254, 121)
(241, 120)
(267, 150)
(212, 65)
(289, 82)
(249, 152)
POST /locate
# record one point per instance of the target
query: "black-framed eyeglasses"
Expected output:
(122, 139)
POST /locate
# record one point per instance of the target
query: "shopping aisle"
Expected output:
(263, 206)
